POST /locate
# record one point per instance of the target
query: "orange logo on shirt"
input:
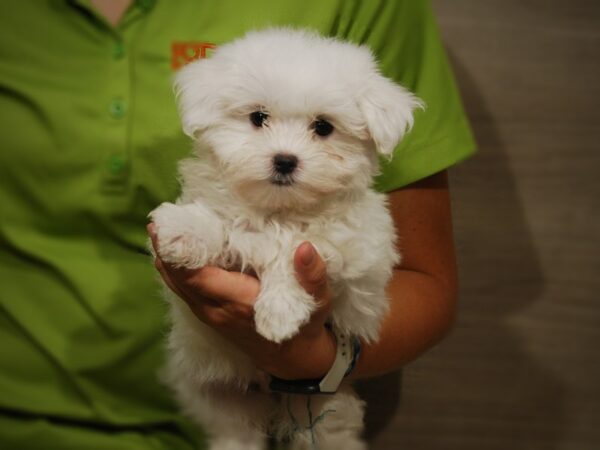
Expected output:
(185, 52)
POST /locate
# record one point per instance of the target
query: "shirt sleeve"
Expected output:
(405, 38)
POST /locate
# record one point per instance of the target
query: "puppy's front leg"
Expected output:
(189, 235)
(282, 306)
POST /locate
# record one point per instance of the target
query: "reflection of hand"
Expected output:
(225, 301)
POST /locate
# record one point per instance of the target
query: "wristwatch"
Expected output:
(347, 353)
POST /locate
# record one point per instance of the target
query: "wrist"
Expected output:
(306, 356)
(348, 349)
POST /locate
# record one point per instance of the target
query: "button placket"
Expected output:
(117, 109)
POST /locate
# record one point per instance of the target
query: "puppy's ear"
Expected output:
(196, 88)
(388, 112)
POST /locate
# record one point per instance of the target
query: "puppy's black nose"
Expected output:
(284, 163)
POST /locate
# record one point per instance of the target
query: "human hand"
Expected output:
(225, 301)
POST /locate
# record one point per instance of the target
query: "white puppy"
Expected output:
(288, 126)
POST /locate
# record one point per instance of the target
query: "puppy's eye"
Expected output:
(322, 127)
(258, 118)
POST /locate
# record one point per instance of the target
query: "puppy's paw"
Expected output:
(278, 316)
(181, 250)
(184, 238)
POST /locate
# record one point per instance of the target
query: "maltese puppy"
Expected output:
(288, 127)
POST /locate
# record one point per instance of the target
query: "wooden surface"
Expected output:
(521, 370)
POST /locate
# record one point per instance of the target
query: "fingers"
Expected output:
(218, 284)
(158, 264)
(152, 234)
(165, 275)
(153, 239)
(208, 282)
(311, 271)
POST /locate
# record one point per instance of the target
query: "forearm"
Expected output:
(422, 311)
(424, 289)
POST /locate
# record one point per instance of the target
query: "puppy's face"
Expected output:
(275, 158)
(291, 118)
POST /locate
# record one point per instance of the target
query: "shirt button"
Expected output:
(119, 50)
(116, 164)
(117, 108)
(145, 4)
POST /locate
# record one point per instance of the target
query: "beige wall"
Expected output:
(521, 370)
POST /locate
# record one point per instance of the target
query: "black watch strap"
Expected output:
(305, 387)
(347, 353)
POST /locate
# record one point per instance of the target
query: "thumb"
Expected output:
(311, 271)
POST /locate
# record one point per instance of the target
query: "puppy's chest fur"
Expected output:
(253, 247)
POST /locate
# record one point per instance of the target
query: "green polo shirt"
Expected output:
(90, 139)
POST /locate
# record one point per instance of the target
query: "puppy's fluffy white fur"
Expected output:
(235, 212)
